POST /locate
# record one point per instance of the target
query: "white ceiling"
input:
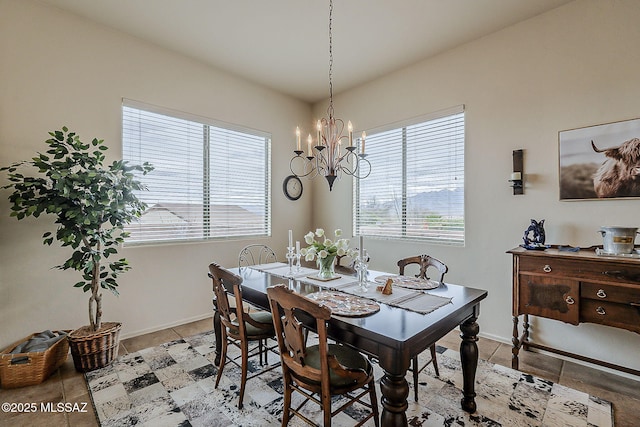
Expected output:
(284, 44)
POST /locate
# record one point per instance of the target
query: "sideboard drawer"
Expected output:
(599, 269)
(547, 265)
(623, 316)
(611, 293)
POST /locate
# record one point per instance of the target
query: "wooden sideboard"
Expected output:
(574, 287)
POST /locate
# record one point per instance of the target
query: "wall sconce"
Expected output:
(517, 176)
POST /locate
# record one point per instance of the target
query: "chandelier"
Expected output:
(328, 157)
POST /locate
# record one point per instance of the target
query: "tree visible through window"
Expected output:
(416, 187)
(209, 181)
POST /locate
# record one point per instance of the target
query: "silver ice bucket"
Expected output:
(618, 240)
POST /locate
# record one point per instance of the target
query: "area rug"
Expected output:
(173, 385)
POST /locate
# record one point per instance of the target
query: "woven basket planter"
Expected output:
(24, 369)
(95, 350)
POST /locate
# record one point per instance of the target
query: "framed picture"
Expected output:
(600, 162)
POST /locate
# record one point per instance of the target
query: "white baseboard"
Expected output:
(167, 325)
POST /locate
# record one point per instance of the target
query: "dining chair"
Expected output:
(240, 328)
(426, 263)
(319, 371)
(347, 268)
(256, 254)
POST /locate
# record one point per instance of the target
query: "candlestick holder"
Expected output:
(361, 267)
(298, 266)
(290, 257)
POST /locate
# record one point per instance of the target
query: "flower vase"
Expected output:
(326, 266)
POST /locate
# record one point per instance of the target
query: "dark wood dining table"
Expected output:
(392, 335)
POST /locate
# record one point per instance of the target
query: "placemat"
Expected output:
(408, 299)
(408, 282)
(347, 305)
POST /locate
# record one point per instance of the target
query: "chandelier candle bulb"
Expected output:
(364, 135)
(319, 128)
(350, 128)
(298, 137)
(309, 144)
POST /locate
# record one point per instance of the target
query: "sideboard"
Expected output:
(574, 287)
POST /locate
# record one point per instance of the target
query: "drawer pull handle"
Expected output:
(601, 293)
(569, 300)
(600, 311)
(546, 268)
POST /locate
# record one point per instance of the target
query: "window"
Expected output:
(210, 180)
(416, 187)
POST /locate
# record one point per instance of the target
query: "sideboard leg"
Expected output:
(515, 349)
(525, 331)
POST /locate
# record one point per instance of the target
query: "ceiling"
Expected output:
(284, 44)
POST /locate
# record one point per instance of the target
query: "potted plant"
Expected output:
(91, 203)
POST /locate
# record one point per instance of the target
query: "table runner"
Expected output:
(408, 299)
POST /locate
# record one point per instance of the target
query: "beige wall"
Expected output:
(572, 67)
(575, 66)
(57, 69)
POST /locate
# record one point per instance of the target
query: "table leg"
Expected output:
(395, 390)
(469, 358)
(217, 331)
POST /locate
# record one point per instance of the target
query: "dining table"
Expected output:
(401, 325)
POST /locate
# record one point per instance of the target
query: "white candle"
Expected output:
(361, 247)
(297, 247)
(290, 238)
(298, 137)
(364, 135)
(318, 127)
(309, 144)
(350, 128)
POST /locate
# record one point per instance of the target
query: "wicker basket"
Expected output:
(96, 350)
(39, 365)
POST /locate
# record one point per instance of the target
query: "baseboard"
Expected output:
(167, 326)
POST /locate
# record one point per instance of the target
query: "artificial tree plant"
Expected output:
(91, 202)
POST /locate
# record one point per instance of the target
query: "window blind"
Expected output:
(416, 186)
(209, 181)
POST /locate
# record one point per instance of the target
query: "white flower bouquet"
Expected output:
(322, 247)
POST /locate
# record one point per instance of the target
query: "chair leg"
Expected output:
(286, 409)
(223, 358)
(414, 369)
(326, 408)
(434, 360)
(243, 375)
(374, 402)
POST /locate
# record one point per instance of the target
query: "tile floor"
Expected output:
(66, 385)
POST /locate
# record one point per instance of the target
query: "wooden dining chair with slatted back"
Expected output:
(426, 263)
(239, 328)
(319, 371)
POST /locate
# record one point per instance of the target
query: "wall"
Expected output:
(58, 69)
(572, 67)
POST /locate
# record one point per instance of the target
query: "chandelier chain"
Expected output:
(330, 59)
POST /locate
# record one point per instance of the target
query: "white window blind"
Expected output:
(416, 187)
(209, 181)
